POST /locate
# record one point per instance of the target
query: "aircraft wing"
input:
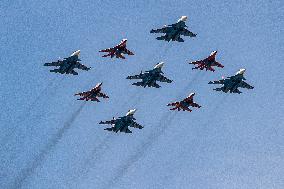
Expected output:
(110, 122)
(161, 30)
(102, 95)
(218, 64)
(136, 125)
(195, 105)
(186, 32)
(129, 52)
(107, 50)
(125, 129)
(173, 104)
(85, 93)
(135, 76)
(198, 62)
(162, 78)
(217, 82)
(235, 91)
(120, 55)
(82, 66)
(58, 63)
(243, 84)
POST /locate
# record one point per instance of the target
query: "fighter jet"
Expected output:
(118, 50)
(207, 63)
(67, 65)
(184, 104)
(122, 123)
(149, 78)
(232, 83)
(174, 31)
(92, 94)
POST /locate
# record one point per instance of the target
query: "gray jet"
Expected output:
(122, 123)
(174, 31)
(67, 65)
(149, 78)
(232, 83)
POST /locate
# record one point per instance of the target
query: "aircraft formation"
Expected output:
(172, 32)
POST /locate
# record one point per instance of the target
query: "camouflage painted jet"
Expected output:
(174, 31)
(207, 63)
(184, 104)
(122, 123)
(149, 78)
(118, 50)
(232, 83)
(67, 65)
(92, 94)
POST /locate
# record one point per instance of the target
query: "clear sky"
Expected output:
(50, 140)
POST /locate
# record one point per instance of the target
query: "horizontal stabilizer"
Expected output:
(108, 129)
(161, 38)
(218, 89)
(138, 84)
(128, 131)
(47, 64)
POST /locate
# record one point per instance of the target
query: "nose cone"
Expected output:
(191, 94)
(241, 71)
(77, 53)
(213, 53)
(131, 112)
(159, 65)
(124, 40)
(99, 85)
(183, 18)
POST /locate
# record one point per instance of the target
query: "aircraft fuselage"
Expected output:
(69, 65)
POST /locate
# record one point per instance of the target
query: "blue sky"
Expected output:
(50, 140)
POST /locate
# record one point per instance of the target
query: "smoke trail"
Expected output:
(164, 123)
(166, 48)
(136, 98)
(104, 144)
(51, 86)
(29, 171)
